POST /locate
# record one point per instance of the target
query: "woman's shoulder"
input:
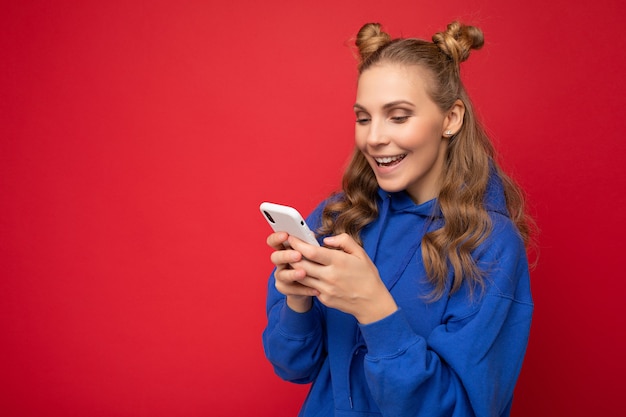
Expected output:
(503, 230)
(502, 256)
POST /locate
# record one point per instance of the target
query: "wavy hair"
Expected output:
(470, 158)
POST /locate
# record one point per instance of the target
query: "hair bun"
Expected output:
(369, 39)
(458, 40)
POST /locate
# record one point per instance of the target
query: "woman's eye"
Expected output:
(399, 119)
(362, 120)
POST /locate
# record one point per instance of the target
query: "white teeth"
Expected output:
(388, 159)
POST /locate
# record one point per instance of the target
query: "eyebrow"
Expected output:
(387, 105)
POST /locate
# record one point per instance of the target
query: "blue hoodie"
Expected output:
(457, 356)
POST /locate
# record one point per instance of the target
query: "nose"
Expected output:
(377, 133)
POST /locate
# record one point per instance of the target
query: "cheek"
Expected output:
(359, 137)
(426, 136)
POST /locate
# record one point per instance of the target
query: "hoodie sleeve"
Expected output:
(469, 364)
(294, 342)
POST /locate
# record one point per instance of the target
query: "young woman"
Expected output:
(418, 303)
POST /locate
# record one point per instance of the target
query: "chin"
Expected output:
(391, 188)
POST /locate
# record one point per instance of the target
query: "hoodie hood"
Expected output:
(495, 199)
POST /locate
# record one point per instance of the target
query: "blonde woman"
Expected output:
(418, 303)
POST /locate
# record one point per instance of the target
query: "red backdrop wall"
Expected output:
(138, 138)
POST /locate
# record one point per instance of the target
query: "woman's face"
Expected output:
(400, 130)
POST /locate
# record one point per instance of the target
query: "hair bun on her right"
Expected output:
(370, 38)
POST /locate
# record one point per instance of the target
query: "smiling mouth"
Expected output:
(387, 161)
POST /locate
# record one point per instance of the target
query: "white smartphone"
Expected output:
(287, 219)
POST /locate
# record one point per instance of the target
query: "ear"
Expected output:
(454, 119)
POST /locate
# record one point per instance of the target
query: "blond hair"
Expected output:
(470, 159)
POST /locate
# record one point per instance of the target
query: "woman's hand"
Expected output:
(288, 278)
(341, 274)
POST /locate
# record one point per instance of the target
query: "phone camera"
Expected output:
(268, 216)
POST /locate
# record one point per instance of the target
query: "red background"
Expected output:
(138, 138)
